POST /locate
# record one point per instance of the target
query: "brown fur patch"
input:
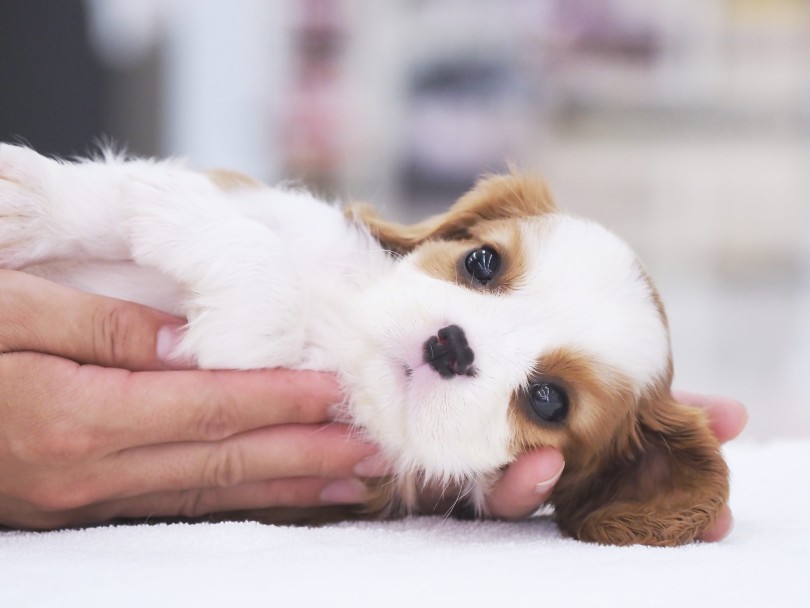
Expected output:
(493, 198)
(665, 488)
(600, 407)
(639, 469)
(444, 259)
(654, 295)
(230, 181)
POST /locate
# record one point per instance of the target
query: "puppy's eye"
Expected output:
(482, 264)
(549, 401)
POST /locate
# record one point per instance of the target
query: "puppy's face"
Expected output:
(507, 326)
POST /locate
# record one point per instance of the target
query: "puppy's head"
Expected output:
(507, 326)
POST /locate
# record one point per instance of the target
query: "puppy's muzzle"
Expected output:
(449, 353)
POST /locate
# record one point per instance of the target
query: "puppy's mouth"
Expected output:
(408, 370)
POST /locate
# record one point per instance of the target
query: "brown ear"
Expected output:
(668, 489)
(492, 198)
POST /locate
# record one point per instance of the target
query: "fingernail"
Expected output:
(375, 465)
(344, 491)
(168, 339)
(544, 487)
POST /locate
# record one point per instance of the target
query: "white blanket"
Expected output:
(429, 561)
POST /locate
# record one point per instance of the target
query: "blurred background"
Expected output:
(683, 125)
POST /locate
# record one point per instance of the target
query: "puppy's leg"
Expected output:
(244, 305)
(57, 211)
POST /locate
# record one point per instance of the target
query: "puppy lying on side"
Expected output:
(461, 341)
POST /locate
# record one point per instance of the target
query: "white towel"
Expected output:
(431, 561)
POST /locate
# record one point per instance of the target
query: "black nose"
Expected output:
(448, 352)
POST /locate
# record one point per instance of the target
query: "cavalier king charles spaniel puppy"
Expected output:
(461, 341)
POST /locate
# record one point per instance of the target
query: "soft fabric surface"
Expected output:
(430, 561)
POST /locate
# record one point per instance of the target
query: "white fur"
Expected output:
(273, 277)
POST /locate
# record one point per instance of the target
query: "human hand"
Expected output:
(528, 482)
(83, 440)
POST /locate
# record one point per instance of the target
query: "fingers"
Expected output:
(88, 435)
(300, 493)
(104, 411)
(269, 453)
(213, 405)
(526, 484)
(721, 529)
(727, 419)
(278, 453)
(149, 431)
(45, 317)
(727, 416)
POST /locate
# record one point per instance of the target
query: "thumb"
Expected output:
(41, 316)
(526, 484)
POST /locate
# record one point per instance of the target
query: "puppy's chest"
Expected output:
(324, 267)
(319, 247)
(330, 261)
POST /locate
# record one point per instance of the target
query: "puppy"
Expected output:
(461, 341)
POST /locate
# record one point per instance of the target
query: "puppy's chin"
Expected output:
(425, 424)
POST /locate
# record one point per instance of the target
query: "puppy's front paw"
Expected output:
(22, 206)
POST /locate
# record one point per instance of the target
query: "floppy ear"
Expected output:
(492, 198)
(668, 489)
